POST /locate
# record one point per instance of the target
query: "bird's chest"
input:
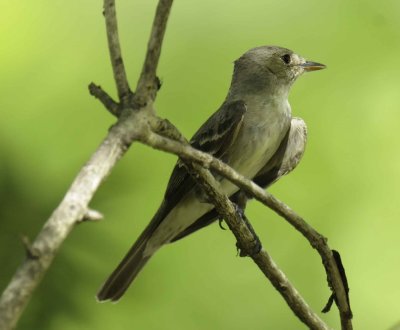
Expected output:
(261, 134)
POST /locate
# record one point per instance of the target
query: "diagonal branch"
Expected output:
(316, 240)
(114, 47)
(148, 83)
(72, 209)
(98, 92)
(246, 238)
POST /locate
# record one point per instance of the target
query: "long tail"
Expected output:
(120, 279)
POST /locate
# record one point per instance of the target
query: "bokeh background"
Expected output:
(346, 186)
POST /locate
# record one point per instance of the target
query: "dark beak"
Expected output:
(312, 66)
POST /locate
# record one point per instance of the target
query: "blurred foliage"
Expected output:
(346, 186)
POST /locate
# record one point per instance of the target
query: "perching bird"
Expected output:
(253, 132)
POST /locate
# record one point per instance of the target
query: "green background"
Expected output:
(346, 186)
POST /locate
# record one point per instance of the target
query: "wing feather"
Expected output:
(215, 137)
(285, 159)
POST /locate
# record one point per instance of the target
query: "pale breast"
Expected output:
(260, 136)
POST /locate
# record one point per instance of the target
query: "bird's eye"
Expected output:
(286, 58)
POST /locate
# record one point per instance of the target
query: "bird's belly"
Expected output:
(257, 145)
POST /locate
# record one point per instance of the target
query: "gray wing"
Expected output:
(285, 159)
(215, 137)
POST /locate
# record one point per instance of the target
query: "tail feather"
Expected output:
(119, 281)
(127, 270)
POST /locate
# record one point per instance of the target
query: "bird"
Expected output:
(253, 131)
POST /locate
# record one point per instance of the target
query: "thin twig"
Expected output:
(148, 83)
(112, 106)
(92, 215)
(114, 47)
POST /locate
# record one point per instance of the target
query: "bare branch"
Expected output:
(289, 293)
(246, 238)
(112, 106)
(74, 206)
(316, 240)
(148, 83)
(114, 47)
(71, 210)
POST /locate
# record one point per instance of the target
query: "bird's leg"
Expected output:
(239, 200)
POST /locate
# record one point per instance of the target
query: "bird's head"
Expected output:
(272, 66)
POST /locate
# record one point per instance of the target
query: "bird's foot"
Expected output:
(254, 250)
(240, 211)
(255, 244)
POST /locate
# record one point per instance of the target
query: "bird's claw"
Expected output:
(255, 244)
(220, 221)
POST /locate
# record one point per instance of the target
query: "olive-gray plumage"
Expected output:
(253, 132)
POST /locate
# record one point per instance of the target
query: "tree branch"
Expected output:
(316, 240)
(98, 92)
(114, 47)
(246, 239)
(73, 208)
(148, 83)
